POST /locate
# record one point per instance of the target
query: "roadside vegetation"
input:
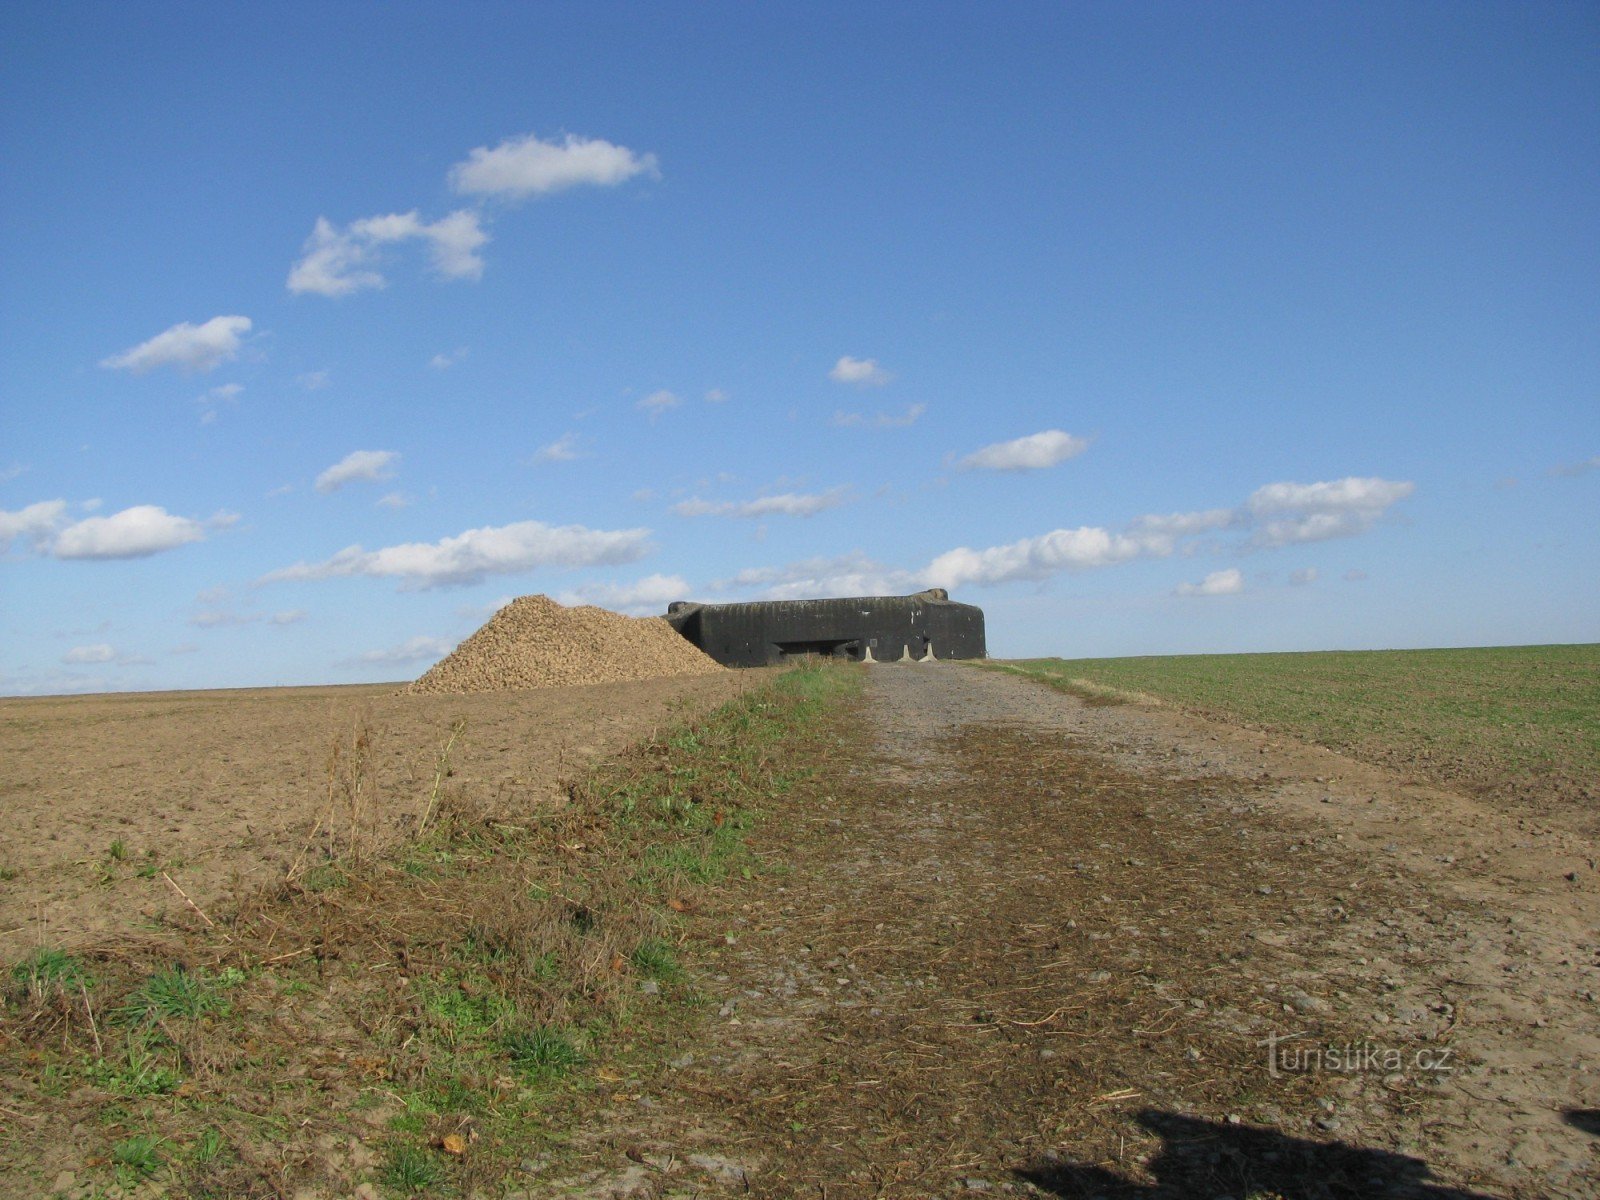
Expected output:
(1516, 723)
(421, 1022)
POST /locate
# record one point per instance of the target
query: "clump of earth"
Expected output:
(533, 642)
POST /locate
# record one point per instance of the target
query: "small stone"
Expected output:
(650, 987)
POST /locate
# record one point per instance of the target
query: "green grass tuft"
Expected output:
(408, 1170)
(175, 992)
(543, 1051)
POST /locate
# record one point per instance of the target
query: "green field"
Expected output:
(1519, 722)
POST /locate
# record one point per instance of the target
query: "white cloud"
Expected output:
(368, 465)
(185, 346)
(136, 532)
(845, 575)
(443, 362)
(563, 449)
(1303, 576)
(860, 371)
(1032, 453)
(716, 396)
(880, 420)
(1289, 513)
(228, 391)
(411, 650)
(1574, 469)
(7, 474)
(1227, 582)
(476, 554)
(222, 619)
(789, 504)
(644, 597)
(98, 653)
(658, 402)
(312, 380)
(524, 166)
(292, 616)
(1034, 558)
(1184, 524)
(336, 262)
(394, 500)
(36, 522)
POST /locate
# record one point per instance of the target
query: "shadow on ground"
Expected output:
(1207, 1158)
(1586, 1119)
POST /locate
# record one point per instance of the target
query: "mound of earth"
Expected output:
(533, 642)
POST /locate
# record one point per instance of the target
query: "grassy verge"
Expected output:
(422, 1023)
(1512, 721)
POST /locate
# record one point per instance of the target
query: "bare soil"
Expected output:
(217, 793)
(1024, 943)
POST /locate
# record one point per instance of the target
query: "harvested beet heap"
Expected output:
(533, 642)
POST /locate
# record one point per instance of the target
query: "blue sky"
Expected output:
(1150, 329)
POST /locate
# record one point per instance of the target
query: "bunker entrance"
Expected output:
(826, 648)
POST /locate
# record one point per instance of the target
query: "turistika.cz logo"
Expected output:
(1288, 1056)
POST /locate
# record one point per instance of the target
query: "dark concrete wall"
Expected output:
(769, 631)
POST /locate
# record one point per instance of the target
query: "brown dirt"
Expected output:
(224, 790)
(533, 642)
(1027, 944)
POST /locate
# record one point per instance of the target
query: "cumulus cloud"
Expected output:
(136, 532)
(98, 653)
(880, 420)
(473, 556)
(411, 650)
(1303, 576)
(188, 347)
(789, 504)
(658, 402)
(1278, 514)
(853, 574)
(643, 597)
(338, 261)
(1160, 532)
(1035, 558)
(563, 449)
(366, 465)
(1219, 583)
(716, 396)
(1289, 513)
(222, 619)
(525, 166)
(864, 372)
(1032, 453)
(443, 362)
(36, 522)
(394, 500)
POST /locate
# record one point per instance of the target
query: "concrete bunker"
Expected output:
(922, 626)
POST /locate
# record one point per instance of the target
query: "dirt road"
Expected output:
(1013, 942)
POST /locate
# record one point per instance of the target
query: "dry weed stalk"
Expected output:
(347, 787)
(441, 769)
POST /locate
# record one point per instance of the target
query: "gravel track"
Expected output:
(1021, 943)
